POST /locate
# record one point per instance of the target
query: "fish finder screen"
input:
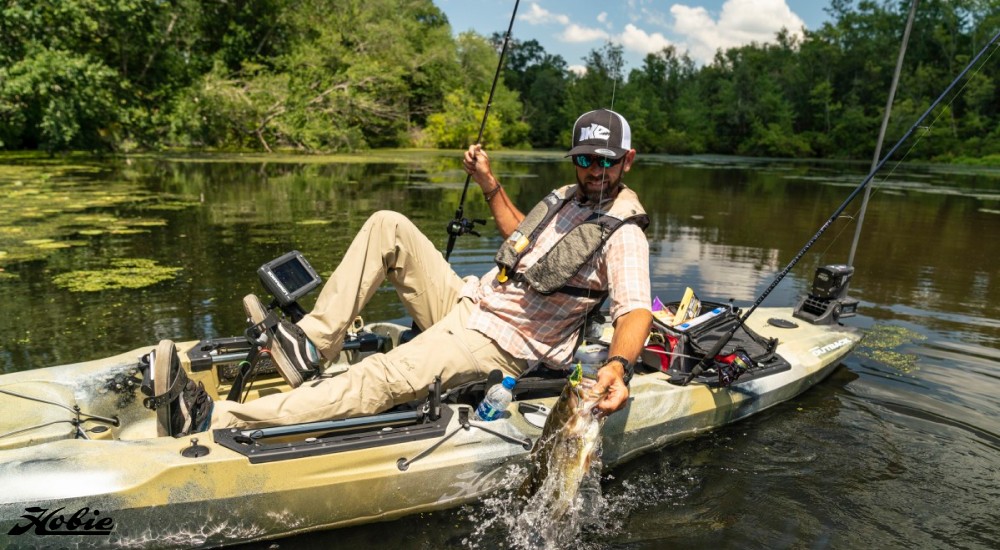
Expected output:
(292, 275)
(288, 277)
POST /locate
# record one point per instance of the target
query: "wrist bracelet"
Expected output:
(488, 195)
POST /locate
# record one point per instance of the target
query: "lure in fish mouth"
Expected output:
(569, 446)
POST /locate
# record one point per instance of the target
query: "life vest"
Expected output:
(565, 259)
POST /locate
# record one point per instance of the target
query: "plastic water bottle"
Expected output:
(496, 400)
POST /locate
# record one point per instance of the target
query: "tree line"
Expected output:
(344, 75)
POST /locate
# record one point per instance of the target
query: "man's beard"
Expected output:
(605, 192)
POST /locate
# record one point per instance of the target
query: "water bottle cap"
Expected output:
(508, 382)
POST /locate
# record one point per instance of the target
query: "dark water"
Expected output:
(900, 448)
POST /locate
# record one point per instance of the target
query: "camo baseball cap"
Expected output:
(601, 132)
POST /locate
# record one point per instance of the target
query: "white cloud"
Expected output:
(572, 32)
(694, 29)
(580, 70)
(538, 15)
(632, 38)
(638, 40)
(740, 22)
(576, 33)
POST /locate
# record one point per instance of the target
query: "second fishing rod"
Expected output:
(710, 356)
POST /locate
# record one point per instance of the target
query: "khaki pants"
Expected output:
(388, 247)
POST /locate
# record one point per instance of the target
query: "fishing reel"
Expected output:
(461, 226)
(458, 227)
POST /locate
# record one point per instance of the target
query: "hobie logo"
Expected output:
(596, 131)
(47, 522)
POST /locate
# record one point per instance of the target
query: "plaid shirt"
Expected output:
(536, 327)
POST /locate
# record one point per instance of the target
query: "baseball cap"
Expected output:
(601, 132)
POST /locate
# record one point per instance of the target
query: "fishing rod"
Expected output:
(710, 356)
(885, 124)
(461, 225)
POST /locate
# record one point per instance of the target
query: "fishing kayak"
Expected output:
(82, 462)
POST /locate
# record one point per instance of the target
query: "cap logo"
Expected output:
(595, 131)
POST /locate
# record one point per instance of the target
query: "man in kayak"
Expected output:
(583, 243)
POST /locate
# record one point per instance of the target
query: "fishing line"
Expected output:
(604, 175)
(586, 314)
(836, 214)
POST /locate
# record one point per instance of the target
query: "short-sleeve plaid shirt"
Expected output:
(536, 327)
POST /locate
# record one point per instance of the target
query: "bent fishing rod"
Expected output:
(710, 356)
(461, 225)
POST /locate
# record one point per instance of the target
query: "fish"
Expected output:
(563, 459)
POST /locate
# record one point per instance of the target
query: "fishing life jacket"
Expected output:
(557, 266)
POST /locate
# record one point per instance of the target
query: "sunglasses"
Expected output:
(585, 161)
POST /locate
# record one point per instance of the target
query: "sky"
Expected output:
(572, 28)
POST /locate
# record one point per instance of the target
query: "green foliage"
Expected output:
(353, 75)
(457, 124)
(56, 100)
(343, 75)
(541, 80)
(222, 112)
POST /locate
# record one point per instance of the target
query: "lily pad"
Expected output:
(38, 242)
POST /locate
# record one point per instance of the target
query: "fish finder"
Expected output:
(288, 278)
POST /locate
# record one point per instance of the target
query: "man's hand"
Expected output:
(611, 380)
(477, 164)
(631, 330)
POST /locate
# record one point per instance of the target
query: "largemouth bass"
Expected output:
(565, 458)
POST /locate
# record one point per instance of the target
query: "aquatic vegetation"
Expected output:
(126, 273)
(882, 343)
(51, 207)
(171, 205)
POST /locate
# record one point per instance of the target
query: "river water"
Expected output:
(900, 447)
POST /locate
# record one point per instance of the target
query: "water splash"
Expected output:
(554, 517)
(601, 511)
(561, 491)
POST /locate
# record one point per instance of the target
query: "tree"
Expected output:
(351, 74)
(650, 99)
(56, 100)
(595, 88)
(541, 81)
(457, 125)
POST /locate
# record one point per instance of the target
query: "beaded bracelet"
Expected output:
(492, 193)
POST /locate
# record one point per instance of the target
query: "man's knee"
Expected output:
(388, 217)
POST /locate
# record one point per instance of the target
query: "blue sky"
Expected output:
(572, 28)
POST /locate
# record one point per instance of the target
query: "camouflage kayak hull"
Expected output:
(121, 485)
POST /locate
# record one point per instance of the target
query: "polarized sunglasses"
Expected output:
(585, 161)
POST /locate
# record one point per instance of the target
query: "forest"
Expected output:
(316, 76)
